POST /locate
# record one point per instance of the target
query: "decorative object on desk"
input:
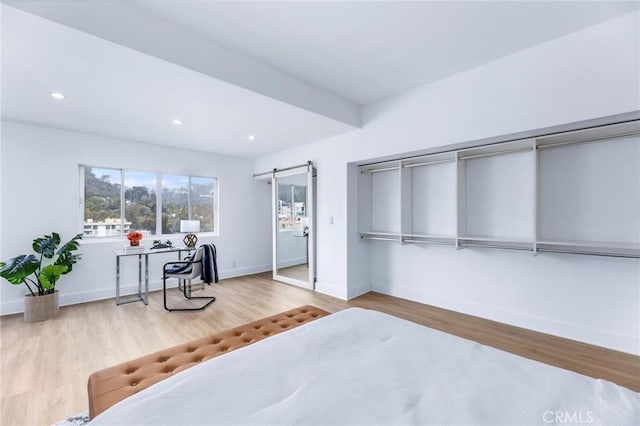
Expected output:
(157, 244)
(190, 226)
(134, 238)
(42, 303)
(134, 249)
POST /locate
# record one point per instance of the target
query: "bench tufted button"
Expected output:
(168, 370)
(237, 334)
(273, 321)
(314, 315)
(130, 371)
(190, 349)
(304, 311)
(133, 383)
(247, 340)
(284, 326)
(289, 315)
(257, 327)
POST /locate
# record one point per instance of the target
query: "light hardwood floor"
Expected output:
(45, 366)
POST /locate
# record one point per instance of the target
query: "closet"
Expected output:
(574, 192)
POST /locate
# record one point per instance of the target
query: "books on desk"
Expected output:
(134, 249)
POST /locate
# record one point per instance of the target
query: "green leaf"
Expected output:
(50, 274)
(46, 246)
(65, 255)
(15, 270)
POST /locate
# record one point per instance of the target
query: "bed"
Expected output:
(362, 367)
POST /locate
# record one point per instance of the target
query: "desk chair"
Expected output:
(186, 270)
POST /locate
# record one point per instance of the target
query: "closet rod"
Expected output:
(593, 253)
(506, 151)
(427, 163)
(386, 169)
(496, 246)
(553, 145)
(308, 163)
(444, 243)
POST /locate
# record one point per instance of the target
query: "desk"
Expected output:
(140, 296)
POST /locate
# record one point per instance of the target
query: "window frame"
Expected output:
(158, 188)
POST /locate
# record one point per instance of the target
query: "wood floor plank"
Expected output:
(45, 366)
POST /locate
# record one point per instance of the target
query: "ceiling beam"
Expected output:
(127, 25)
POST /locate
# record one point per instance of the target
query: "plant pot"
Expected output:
(134, 243)
(40, 308)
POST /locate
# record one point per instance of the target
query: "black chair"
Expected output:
(186, 270)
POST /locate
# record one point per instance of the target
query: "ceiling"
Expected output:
(365, 51)
(289, 73)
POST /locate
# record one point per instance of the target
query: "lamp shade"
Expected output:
(189, 226)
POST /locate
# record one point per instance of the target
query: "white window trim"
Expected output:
(158, 236)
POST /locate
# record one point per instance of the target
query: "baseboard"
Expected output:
(348, 293)
(355, 290)
(240, 272)
(331, 290)
(66, 298)
(12, 307)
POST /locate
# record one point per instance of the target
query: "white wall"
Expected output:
(40, 194)
(588, 74)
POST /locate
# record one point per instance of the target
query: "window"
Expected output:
(175, 202)
(117, 201)
(140, 201)
(201, 201)
(187, 197)
(102, 203)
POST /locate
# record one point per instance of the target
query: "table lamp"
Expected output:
(190, 226)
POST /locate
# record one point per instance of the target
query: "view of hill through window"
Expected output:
(182, 197)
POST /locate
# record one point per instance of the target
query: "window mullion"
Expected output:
(189, 200)
(158, 204)
(81, 218)
(122, 203)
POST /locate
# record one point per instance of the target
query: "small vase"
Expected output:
(40, 308)
(134, 243)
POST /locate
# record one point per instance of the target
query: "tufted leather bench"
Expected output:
(111, 385)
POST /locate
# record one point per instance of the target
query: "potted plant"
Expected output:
(134, 238)
(41, 273)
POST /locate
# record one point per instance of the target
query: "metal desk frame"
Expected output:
(140, 296)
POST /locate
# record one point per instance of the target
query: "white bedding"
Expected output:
(361, 367)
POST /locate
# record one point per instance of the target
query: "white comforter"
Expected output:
(361, 367)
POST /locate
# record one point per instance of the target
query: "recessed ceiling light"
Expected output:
(251, 137)
(178, 122)
(56, 95)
